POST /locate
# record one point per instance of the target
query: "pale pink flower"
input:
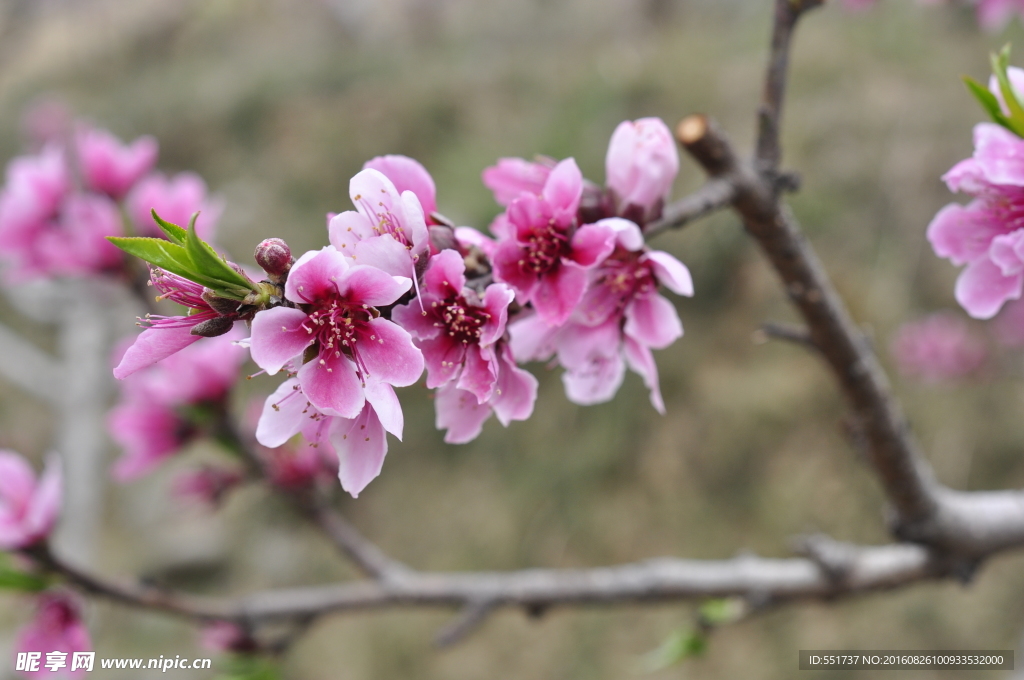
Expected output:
(57, 627)
(387, 230)
(512, 177)
(407, 174)
(339, 319)
(360, 443)
(28, 507)
(640, 167)
(225, 636)
(30, 206)
(938, 347)
(110, 167)
(461, 334)
(542, 253)
(617, 323)
(174, 199)
(987, 234)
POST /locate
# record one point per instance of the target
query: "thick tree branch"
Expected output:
(29, 368)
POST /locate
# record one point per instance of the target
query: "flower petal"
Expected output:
(330, 383)
(153, 345)
(278, 336)
(407, 175)
(558, 293)
(364, 285)
(653, 321)
(460, 414)
(670, 272)
(285, 412)
(515, 391)
(387, 354)
(641, 360)
(384, 401)
(361, 444)
(982, 288)
(313, 277)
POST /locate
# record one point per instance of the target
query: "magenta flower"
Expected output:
(640, 167)
(987, 234)
(512, 177)
(620, 319)
(110, 167)
(542, 253)
(993, 15)
(225, 636)
(407, 174)
(461, 336)
(387, 230)
(166, 335)
(28, 508)
(339, 320)
(57, 627)
(175, 199)
(936, 348)
(150, 423)
(30, 205)
(360, 443)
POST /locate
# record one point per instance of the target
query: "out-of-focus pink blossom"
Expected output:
(207, 485)
(620, 319)
(57, 627)
(407, 174)
(175, 199)
(640, 167)
(46, 120)
(355, 345)
(167, 335)
(149, 423)
(461, 335)
(1008, 326)
(512, 177)
(360, 443)
(938, 347)
(110, 167)
(28, 507)
(987, 234)
(993, 15)
(225, 636)
(542, 253)
(29, 207)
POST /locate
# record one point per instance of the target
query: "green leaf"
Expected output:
(988, 101)
(158, 252)
(722, 611)
(174, 233)
(682, 644)
(250, 668)
(12, 579)
(1001, 62)
(211, 265)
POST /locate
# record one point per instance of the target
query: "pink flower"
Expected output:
(339, 319)
(461, 336)
(166, 335)
(57, 627)
(1008, 327)
(938, 347)
(151, 422)
(617, 323)
(30, 206)
(641, 165)
(541, 251)
(175, 199)
(387, 230)
(76, 243)
(512, 177)
(993, 15)
(407, 175)
(360, 443)
(28, 508)
(110, 167)
(207, 485)
(987, 234)
(225, 636)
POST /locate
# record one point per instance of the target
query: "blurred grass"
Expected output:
(277, 103)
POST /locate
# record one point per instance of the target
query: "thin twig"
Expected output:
(469, 619)
(787, 13)
(788, 332)
(714, 195)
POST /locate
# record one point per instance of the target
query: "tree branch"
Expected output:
(714, 195)
(29, 368)
(787, 13)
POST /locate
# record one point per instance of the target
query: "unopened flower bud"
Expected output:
(274, 256)
(211, 328)
(223, 306)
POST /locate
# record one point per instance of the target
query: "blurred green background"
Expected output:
(277, 103)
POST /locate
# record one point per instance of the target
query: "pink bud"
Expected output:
(274, 256)
(641, 165)
(28, 508)
(57, 627)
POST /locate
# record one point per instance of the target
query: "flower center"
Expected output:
(545, 248)
(462, 321)
(335, 326)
